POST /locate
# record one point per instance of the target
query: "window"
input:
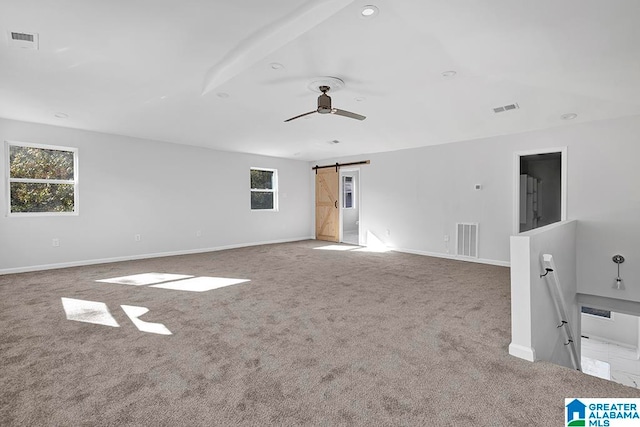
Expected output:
(264, 189)
(43, 179)
(606, 314)
(347, 192)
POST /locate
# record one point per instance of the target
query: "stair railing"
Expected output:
(551, 277)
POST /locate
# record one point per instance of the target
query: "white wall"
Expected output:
(620, 329)
(165, 192)
(419, 195)
(534, 319)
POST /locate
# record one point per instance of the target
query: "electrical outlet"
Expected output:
(199, 233)
(55, 242)
(388, 232)
(137, 237)
(446, 237)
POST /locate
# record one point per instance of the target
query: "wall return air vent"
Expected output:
(467, 239)
(21, 40)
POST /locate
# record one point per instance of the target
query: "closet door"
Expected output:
(327, 206)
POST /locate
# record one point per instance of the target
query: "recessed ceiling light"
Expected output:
(359, 98)
(223, 95)
(568, 116)
(276, 65)
(449, 74)
(61, 115)
(369, 11)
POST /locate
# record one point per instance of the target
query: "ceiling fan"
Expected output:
(324, 107)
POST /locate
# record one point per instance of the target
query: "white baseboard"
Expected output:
(454, 257)
(522, 352)
(31, 268)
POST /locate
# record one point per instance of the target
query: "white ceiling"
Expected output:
(155, 68)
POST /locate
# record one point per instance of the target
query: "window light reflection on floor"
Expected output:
(200, 284)
(177, 282)
(337, 248)
(373, 245)
(134, 312)
(88, 312)
(145, 279)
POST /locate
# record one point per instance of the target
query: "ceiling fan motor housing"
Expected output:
(324, 104)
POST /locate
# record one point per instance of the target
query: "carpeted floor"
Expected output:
(323, 338)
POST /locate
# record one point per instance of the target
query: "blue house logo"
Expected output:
(576, 413)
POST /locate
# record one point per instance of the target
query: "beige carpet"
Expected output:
(321, 338)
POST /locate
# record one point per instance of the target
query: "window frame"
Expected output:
(594, 311)
(274, 190)
(9, 180)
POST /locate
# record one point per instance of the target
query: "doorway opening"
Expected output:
(350, 206)
(540, 188)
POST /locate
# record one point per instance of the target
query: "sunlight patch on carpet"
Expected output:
(379, 250)
(145, 279)
(337, 248)
(134, 312)
(88, 312)
(200, 284)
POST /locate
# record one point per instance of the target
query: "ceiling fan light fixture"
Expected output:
(369, 11)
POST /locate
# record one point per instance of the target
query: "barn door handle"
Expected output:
(336, 204)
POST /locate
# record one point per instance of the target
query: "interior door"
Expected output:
(327, 205)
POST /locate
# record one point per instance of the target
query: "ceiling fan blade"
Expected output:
(301, 115)
(347, 114)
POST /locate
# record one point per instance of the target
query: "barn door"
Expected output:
(327, 205)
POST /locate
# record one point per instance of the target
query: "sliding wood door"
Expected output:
(327, 209)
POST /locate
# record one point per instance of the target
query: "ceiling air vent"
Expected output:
(23, 40)
(506, 108)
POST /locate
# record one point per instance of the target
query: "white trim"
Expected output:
(522, 352)
(74, 181)
(144, 256)
(453, 257)
(516, 181)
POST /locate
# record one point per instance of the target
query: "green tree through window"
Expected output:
(42, 179)
(264, 185)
